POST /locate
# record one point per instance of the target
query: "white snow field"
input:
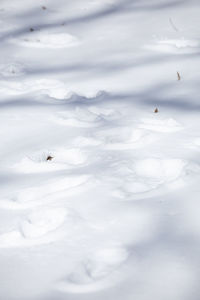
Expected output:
(99, 150)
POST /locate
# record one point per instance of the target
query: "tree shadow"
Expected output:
(120, 7)
(108, 67)
(157, 96)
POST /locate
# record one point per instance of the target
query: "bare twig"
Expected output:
(178, 76)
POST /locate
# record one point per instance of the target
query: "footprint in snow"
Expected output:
(53, 88)
(39, 227)
(86, 117)
(96, 273)
(149, 176)
(61, 159)
(105, 113)
(12, 70)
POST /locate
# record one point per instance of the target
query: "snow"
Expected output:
(178, 46)
(61, 159)
(52, 88)
(163, 125)
(47, 40)
(99, 194)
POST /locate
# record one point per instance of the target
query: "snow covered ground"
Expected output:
(99, 195)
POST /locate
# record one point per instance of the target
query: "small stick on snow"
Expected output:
(179, 76)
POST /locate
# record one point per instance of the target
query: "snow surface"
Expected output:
(99, 195)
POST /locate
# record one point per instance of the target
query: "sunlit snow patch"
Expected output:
(45, 39)
(159, 169)
(177, 46)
